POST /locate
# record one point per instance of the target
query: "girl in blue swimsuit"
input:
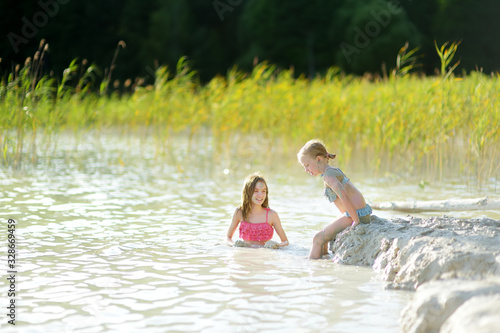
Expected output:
(338, 189)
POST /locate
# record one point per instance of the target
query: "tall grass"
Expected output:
(404, 122)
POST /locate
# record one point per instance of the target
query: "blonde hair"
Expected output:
(248, 189)
(313, 149)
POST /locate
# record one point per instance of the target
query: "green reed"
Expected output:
(401, 123)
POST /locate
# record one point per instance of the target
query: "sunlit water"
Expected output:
(112, 237)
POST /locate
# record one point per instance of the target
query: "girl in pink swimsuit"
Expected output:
(256, 220)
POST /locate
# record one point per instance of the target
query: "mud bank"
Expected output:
(453, 265)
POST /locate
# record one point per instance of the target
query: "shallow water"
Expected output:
(112, 236)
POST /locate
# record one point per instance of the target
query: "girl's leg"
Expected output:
(322, 238)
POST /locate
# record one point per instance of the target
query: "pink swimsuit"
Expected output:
(261, 232)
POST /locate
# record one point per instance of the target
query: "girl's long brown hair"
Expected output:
(248, 189)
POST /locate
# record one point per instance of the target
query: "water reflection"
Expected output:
(121, 239)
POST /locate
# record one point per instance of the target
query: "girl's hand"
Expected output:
(241, 243)
(274, 245)
(285, 243)
(229, 241)
(270, 244)
(354, 223)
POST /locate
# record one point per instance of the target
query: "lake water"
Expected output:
(113, 236)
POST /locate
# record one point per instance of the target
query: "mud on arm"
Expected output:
(339, 189)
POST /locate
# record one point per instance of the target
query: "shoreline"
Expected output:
(452, 264)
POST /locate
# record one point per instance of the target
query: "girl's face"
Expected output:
(259, 194)
(312, 166)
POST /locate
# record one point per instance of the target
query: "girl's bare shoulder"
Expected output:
(238, 212)
(333, 172)
(273, 214)
(332, 177)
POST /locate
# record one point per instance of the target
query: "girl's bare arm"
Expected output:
(276, 223)
(237, 217)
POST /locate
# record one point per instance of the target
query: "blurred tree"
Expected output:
(193, 29)
(311, 36)
(215, 46)
(474, 23)
(294, 33)
(134, 28)
(15, 45)
(169, 34)
(374, 31)
(73, 29)
(422, 14)
(86, 30)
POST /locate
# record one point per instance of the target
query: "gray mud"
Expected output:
(452, 264)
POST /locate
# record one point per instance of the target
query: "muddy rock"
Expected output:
(438, 302)
(452, 264)
(411, 252)
(479, 315)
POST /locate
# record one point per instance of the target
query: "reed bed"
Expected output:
(401, 123)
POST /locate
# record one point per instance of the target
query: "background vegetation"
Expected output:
(277, 70)
(402, 123)
(216, 35)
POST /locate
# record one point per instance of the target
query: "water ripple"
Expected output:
(141, 248)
